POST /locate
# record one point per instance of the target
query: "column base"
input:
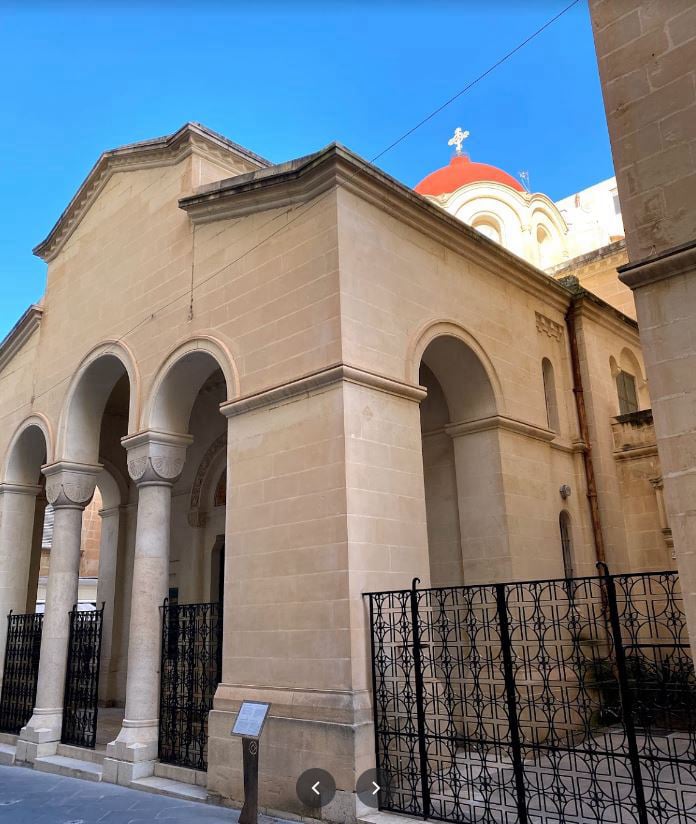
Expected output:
(40, 736)
(133, 753)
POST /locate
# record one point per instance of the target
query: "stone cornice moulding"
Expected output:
(634, 452)
(191, 138)
(156, 458)
(529, 430)
(70, 485)
(335, 167)
(679, 260)
(615, 321)
(322, 379)
(21, 489)
(20, 334)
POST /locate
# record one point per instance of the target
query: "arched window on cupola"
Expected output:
(489, 227)
(545, 246)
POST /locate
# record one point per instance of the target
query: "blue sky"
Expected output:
(284, 80)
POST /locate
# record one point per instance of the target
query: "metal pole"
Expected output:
(420, 708)
(625, 694)
(511, 697)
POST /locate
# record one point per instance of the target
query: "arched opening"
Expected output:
(544, 247)
(97, 416)
(550, 396)
(461, 465)
(566, 544)
(23, 504)
(186, 401)
(489, 227)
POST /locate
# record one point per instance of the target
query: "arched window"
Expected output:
(626, 390)
(550, 395)
(488, 227)
(566, 544)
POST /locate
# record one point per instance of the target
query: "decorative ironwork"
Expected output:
(82, 678)
(570, 700)
(20, 671)
(191, 670)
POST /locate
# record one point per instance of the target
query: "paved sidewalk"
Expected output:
(32, 797)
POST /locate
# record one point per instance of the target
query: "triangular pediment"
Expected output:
(167, 150)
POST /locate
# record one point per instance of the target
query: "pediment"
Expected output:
(167, 150)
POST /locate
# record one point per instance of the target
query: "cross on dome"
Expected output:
(457, 139)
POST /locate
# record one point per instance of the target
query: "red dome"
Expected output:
(461, 171)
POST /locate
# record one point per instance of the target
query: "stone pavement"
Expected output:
(32, 797)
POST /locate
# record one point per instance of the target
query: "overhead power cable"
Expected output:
(307, 207)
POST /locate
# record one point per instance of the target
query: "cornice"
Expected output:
(318, 380)
(335, 167)
(587, 305)
(679, 260)
(20, 334)
(519, 427)
(191, 138)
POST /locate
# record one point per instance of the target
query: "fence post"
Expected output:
(511, 696)
(625, 693)
(420, 708)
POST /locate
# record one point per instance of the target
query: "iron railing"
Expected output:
(569, 700)
(21, 670)
(190, 672)
(82, 678)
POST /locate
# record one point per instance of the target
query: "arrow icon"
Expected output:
(377, 788)
(314, 788)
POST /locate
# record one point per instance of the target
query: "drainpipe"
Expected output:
(584, 429)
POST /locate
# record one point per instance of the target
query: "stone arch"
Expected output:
(481, 365)
(31, 446)
(88, 393)
(180, 378)
(205, 481)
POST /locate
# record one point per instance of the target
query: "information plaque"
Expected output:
(250, 719)
(248, 725)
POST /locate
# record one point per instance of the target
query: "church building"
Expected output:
(252, 393)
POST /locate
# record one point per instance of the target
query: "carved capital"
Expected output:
(156, 457)
(70, 485)
(21, 489)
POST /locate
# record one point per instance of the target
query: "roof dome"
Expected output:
(460, 172)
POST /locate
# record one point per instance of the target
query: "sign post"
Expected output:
(248, 726)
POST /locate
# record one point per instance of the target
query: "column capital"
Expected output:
(156, 458)
(21, 489)
(70, 485)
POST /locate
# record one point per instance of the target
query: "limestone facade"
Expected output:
(344, 386)
(647, 57)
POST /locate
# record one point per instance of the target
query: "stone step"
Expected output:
(71, 767)
(8, 738)
(185, 775)
(174, 789)
(81, 753)
(7, 754)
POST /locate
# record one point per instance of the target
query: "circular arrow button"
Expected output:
(315, 788)
(369, 787)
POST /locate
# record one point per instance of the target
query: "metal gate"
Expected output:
(190, 672)
(570, 700)
(82, 678)
(20, 671)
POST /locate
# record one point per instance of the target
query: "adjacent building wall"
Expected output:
(647, 64)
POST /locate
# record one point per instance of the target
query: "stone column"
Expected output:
(16, 530)
(69, 488)
(155, 461)
(106, 590)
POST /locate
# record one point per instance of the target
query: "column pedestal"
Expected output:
(155, 461)
(69, 488)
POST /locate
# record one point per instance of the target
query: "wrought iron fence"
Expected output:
(20, 670)
(190, 672)
(82, 678)
(568, 700)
